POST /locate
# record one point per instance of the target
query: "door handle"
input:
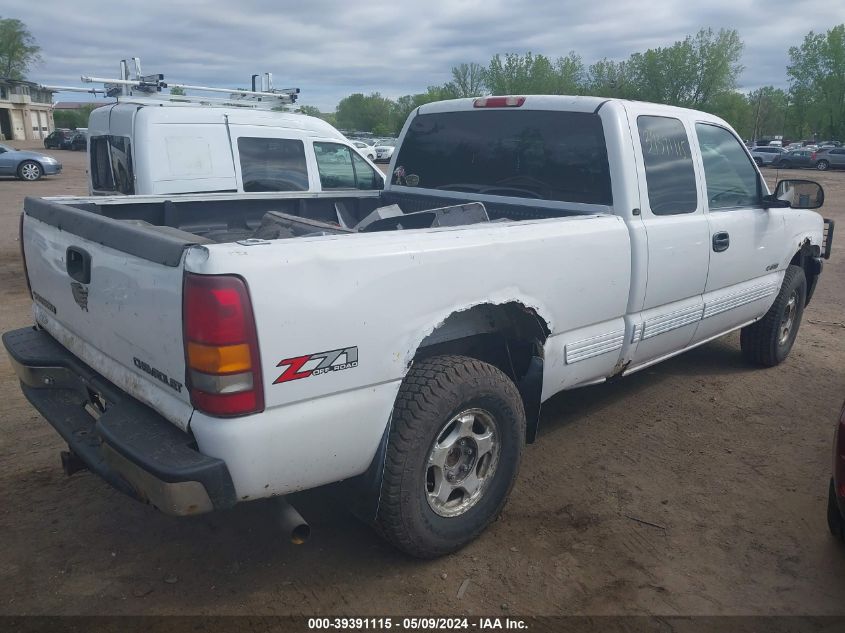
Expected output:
(78, 263)
(721, 241)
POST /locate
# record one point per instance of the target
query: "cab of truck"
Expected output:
(147, 146)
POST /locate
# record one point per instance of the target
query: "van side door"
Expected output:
(677, 233)
(746, 240)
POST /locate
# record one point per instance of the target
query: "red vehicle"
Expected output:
(836, 496)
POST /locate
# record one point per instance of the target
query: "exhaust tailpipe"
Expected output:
(291, 521)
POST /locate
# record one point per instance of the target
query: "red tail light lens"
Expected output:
(221, 346)
(498, 102)
(813, 156)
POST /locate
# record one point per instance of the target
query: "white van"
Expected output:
(145, 146)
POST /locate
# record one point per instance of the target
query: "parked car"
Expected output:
(367, 150)
(384, 150)
(793, 146)
(138, 146)
(766, 155)
(199, 366)
(836, 490)
(79, 141)
(833, 158)
(794, 158)
(26, 164)
(58, 139)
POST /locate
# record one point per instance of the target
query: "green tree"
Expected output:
(817, 72)
(177, 91)
(467, 80)
(534, 74)
(363, 113)
(73, 118)
(18, 49)
(691, 72)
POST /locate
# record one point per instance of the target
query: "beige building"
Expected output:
(26, 110)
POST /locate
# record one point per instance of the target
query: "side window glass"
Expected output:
(272, 164)
(365, 176)
(334, 162)
(670, 176)
(730, 176)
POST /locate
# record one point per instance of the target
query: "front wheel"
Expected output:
(767, 342)
(822, 165)
(29, 170)
(456, 438)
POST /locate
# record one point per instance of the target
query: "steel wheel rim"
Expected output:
(461, 462)
(30, 172)
(788, 319)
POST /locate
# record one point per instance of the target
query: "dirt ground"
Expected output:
(695, 487)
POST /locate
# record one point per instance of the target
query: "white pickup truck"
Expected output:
(203, 350)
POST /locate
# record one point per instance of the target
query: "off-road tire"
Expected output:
(435, 390)
(760, 341)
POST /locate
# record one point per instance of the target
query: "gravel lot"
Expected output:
(695, 487)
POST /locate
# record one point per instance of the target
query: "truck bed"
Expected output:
(224, 218)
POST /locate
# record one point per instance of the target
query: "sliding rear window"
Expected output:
(111, 164)
(536, 154)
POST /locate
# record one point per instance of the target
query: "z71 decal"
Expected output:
(317, 364)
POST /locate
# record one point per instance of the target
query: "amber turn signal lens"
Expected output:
(219, 359)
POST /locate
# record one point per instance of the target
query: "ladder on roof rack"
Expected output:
(130, 88)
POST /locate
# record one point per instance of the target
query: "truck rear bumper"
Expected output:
(125, 442)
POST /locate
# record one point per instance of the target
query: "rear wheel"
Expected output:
(822, 165)
(758, 161)
(29, 170)
(785, 165)
(456, 438)
(767, 342)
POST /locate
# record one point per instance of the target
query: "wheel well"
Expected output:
(807, 258)
(509, 336)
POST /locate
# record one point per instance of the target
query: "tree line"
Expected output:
(701, 72)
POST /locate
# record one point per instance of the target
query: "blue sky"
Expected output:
(332, 49)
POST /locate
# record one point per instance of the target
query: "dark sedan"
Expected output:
(58, 139)
(794, 158)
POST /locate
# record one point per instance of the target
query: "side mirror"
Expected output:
(798, 194)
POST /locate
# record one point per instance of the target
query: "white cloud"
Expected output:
(331, 49)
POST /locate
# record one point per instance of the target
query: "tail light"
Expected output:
(839, 456)
(813, 156)
(498, 102)
(221, 346)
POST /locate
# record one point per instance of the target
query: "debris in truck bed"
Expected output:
(455, 215)
(277, 225)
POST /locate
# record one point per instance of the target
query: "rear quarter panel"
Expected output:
(382, 294)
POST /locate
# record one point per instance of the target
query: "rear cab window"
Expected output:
(536, 154)
(669, 170)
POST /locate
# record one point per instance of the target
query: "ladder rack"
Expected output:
(128, 88)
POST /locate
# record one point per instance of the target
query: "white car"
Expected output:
(367, 150)
(546, 243)
(384, 150)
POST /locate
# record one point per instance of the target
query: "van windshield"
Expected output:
(544, 155)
